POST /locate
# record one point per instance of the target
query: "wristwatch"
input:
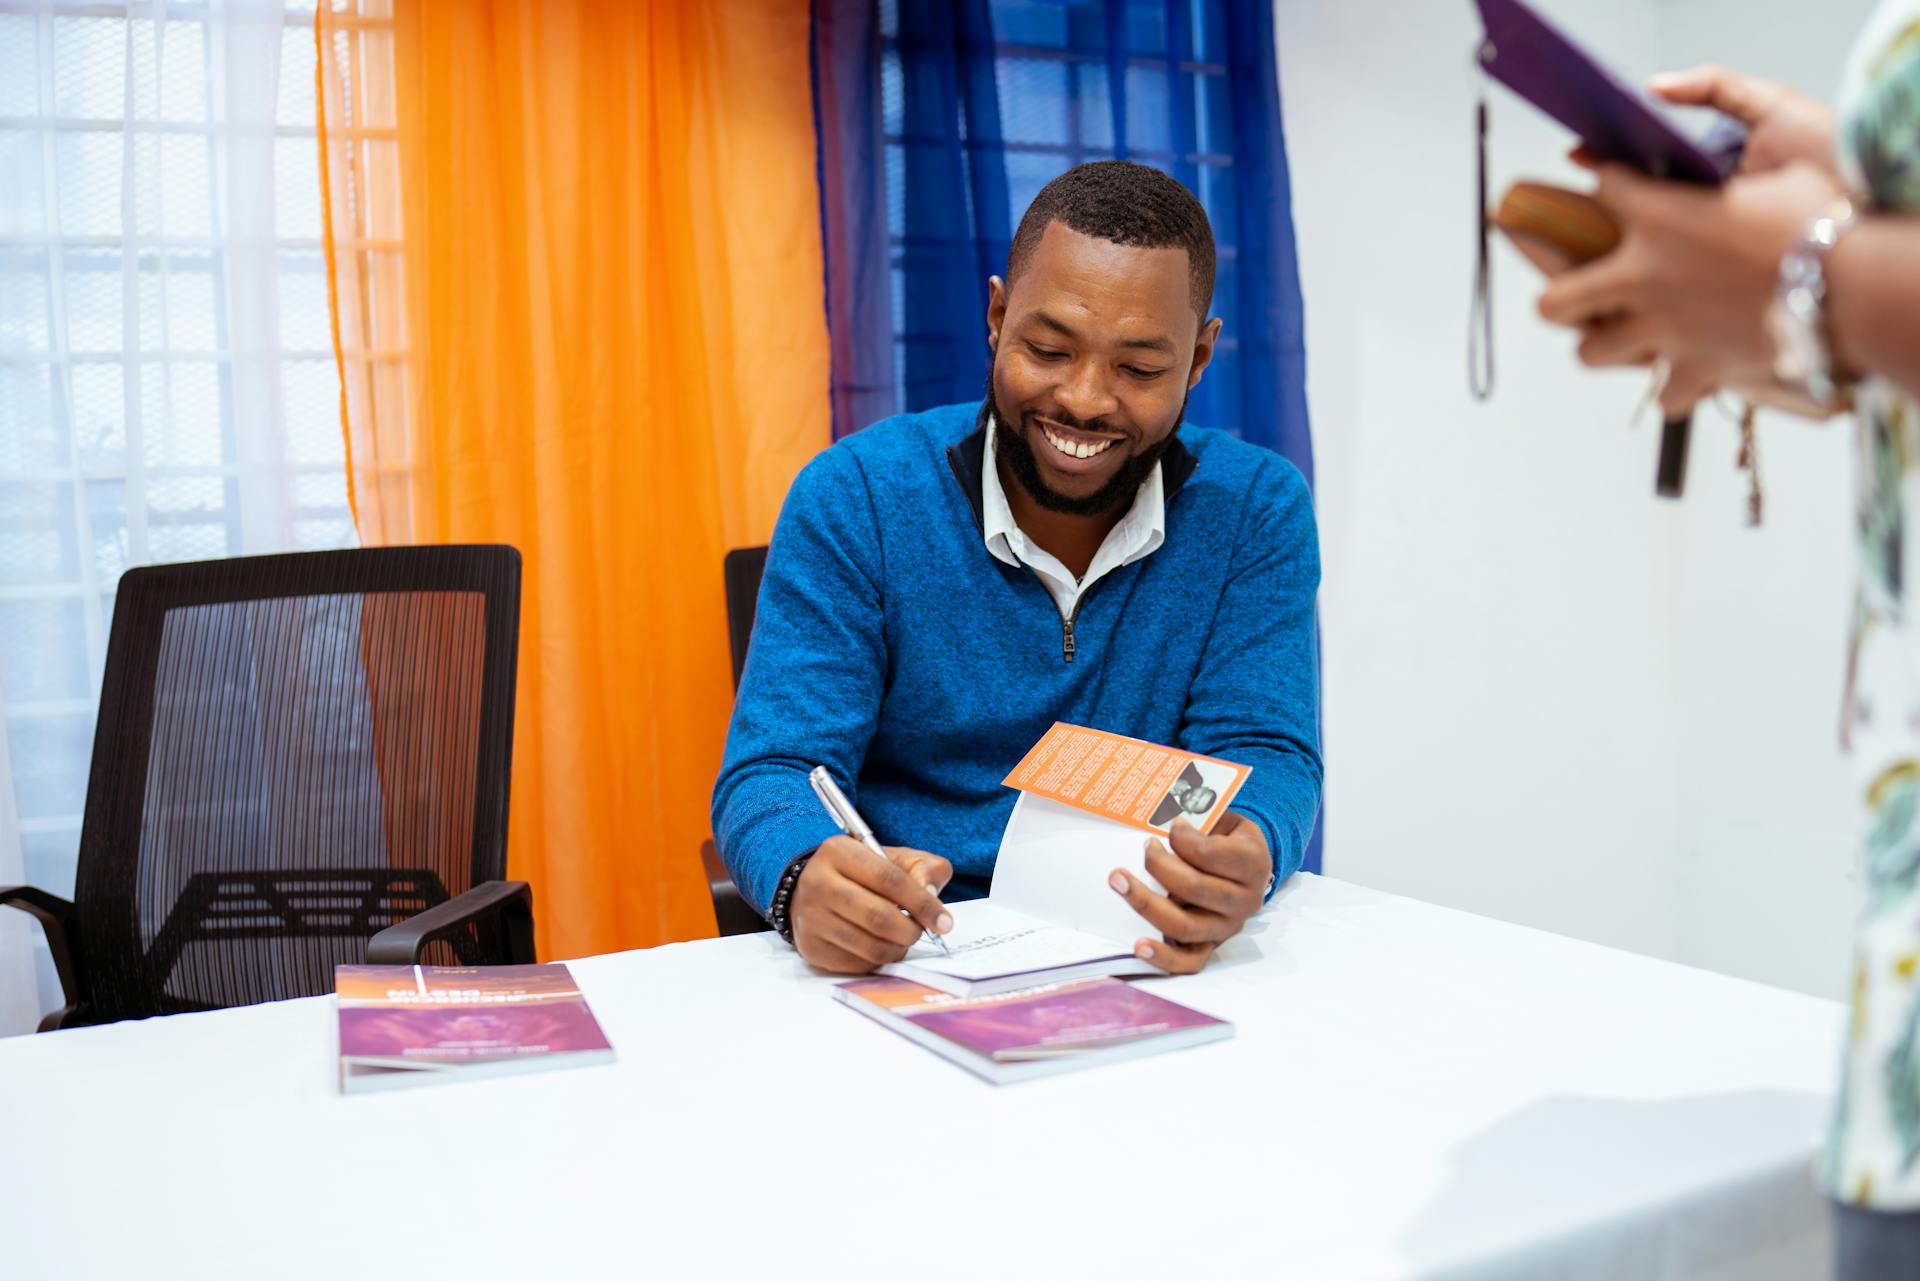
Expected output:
(1803, 350)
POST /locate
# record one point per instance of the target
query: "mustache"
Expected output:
(1096, 426)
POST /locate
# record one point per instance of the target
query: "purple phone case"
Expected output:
(1527, 54)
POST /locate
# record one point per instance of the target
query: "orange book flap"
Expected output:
(1129, 781)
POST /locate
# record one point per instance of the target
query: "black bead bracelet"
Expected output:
(779, 911)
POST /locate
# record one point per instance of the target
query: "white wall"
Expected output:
(1550, 696)
(1767, 846)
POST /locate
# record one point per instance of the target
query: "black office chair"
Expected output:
(741, 570)
(300, 761)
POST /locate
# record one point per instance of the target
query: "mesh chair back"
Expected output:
(293, 753)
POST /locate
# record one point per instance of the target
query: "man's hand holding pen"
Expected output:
(848, 905)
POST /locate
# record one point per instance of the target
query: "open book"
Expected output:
(1089, 802)
(998, 949)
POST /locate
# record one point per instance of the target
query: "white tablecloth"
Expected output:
(1412, 1092)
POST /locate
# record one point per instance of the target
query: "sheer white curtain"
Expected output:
(167, 383)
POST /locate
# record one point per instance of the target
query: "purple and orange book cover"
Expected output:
(1054, 1019)
(443, 1016)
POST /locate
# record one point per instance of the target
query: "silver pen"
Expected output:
(853, 825)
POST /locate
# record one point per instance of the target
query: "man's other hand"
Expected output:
(1213, 883)
(847, 905)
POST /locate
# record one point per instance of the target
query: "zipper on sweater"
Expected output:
(1066, 633)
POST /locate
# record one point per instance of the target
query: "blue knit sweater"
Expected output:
(892, 647)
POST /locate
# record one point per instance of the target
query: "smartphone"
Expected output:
(1616, 122)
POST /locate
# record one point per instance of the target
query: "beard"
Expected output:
(1119, 489)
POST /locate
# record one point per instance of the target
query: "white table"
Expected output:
(1412, 1092)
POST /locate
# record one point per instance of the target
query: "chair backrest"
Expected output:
(742, 570)
(293, 753)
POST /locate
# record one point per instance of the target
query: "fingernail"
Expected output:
(1119, 883)
(944, 924)
(1143, 950)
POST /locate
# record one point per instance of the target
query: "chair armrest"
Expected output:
(731, 913)
(62, 924)
(501, 911)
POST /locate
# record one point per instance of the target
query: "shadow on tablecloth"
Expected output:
(1593, 1189)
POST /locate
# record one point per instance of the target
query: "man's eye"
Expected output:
(1146, 374)
(1045, 353)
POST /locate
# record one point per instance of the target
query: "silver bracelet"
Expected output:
(1803, 350)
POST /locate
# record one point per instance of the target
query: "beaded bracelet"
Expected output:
(778, 912)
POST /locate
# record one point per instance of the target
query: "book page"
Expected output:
(988, 941)
(1126, 780)
(1053, 865)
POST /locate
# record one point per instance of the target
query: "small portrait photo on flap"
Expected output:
(1193, 795)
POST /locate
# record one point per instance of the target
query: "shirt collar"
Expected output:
(1139, 532)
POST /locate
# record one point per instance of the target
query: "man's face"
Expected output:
(1095, 349)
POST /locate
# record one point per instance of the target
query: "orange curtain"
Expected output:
(575, 258)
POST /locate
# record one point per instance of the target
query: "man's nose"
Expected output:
(1086, 394)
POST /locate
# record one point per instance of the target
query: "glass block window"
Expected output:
(168, 387)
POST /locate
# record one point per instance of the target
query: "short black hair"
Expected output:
(1128, 204)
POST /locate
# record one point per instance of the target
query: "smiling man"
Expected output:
(943, 586)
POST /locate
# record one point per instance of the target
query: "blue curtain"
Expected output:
(940, 120)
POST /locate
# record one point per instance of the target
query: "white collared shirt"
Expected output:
(1139, 533)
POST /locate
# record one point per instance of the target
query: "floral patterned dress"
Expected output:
(1873, 1159)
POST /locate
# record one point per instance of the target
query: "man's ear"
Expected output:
(996, 309)
(1203, 351)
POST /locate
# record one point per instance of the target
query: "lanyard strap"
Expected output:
(1480, 319)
